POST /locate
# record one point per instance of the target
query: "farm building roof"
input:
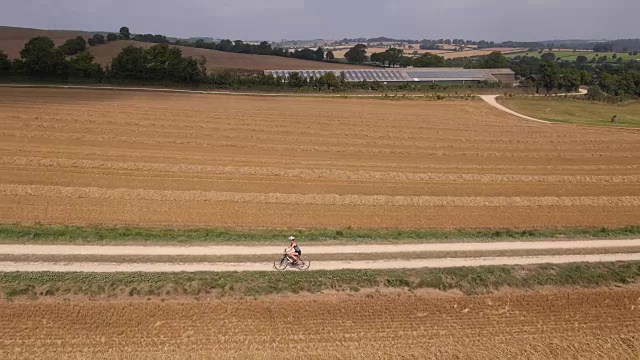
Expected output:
(403, 75)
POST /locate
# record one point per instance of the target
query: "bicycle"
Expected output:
(284, 262)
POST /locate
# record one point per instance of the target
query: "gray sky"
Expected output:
(496, 20)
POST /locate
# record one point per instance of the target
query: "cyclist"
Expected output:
(293, 251)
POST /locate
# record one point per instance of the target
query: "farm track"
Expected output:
(550, 324)
(390, 263)
(316, 265)
(71, 156)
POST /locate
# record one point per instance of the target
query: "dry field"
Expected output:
(12, 39)
(446, 53)
(472, 53)
(158, 159)
(223, 60)
(548, 324)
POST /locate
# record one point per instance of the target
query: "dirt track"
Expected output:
(320, 265)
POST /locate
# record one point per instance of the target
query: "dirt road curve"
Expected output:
(310, 250)
(491, 100)
(321, 265)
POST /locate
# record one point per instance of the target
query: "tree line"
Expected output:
(41, 59)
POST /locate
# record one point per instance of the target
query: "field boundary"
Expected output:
(209, 92)
(103, 235)
(87, 267)
(469, 280)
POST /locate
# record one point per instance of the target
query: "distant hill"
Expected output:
(12, 39)
(224, 60)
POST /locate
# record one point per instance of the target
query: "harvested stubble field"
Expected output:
(552, 324)
(123, 158)
(216, 60)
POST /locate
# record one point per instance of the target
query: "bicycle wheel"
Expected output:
(280, 264)
(303, 263)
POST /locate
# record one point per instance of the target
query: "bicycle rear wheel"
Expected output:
(280, 263)
(303, 263)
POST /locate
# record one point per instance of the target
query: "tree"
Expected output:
(296, 80)
(329, 81)
(357, 54)
(569, 80)
(319, 54)
(42, 58)
(96, 40)
(429, 45)
(549, 75)
(581, 59)
(393, 56)
(305, 54)
(380, 58)
(330, 55)
(264, 48)
(124, 33)
(131, 63)
(74, 46)
(429, 60)
(548, 57)
(5, 64)
(112, 37)
(495, 60)
(406, 61)
(82, 66)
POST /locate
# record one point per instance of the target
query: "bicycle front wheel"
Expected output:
(280, 264)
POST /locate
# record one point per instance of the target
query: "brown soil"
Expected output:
(109, 157)
(550, 324)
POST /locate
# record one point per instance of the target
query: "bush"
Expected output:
(595, 93)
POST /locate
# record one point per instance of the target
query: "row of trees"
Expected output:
(394, 57)
(41, 59)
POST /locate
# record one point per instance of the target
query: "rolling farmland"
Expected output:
(589, 323)
(225, 60)
(126, 158)
(12, 39)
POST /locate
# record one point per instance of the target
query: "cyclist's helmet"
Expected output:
(292, 238)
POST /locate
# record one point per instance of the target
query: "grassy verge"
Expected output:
(126, 259)
(40, 234)
(574, 111)
(470, 280)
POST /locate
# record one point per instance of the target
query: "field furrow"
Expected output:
(594, 323)
(155, 159)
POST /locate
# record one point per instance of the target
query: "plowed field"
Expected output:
(109, 157)
(580, 324)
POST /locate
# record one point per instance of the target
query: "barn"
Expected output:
(412, 75)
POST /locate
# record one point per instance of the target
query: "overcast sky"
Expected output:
(496, 20)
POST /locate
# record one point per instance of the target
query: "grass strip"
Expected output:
(125, 259)
(49, 234)
(469, 280)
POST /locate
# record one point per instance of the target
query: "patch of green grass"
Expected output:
(575, 111)
(470, 280)
(572, 56)
(41, 234)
